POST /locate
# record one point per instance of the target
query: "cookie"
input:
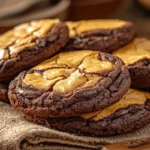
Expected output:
(130, 113)
(29, 44)
(136, 56)
(104, 35)
(69, 84)
(3, 93)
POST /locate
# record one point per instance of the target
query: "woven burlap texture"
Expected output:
(19, 134)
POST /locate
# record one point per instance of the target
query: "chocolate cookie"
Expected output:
(69, 84)
(3, 93)
(130, 113)
(136, 56)
(29, 44)
(104, 35)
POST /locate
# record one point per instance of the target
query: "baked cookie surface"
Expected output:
(70, 84)
(105, 35)
(29, 44)
(136, 56)
(130, 113)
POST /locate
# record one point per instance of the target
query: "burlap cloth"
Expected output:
(19, 134)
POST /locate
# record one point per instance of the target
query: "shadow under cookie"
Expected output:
(3, 93)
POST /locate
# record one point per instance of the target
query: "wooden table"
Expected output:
(135, 145)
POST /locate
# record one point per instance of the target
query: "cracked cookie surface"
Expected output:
(70, 84)
(130, 113)
(29, 44)
(136, 56)
(105, 35)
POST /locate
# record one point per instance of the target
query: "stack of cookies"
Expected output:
(79, 77)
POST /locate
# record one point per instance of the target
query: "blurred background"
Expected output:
(13, 12)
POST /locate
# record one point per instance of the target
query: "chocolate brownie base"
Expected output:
(110, 88)
(123, 121)
(130, 113)
(3, 93)
(31, 55)
(140, 73)
(105, 40)
(136, 56)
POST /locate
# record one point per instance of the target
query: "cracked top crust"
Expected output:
(68, 71)
(23, 36)
(59, 86)
(29, 44)
(132, 97)
(132, 112)
(104, 35)
(135, 51)
(77, 28)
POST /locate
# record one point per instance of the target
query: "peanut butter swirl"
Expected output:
(23, 36)
(68, 71)
(132, 97)
(76, 28)
(136, 50)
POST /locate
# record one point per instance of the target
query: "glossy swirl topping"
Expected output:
(23, 36)
(76, 28)
(132, 97)
(136, 50)
(68, 71)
